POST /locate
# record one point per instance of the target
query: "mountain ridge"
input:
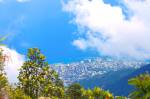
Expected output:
(90, 67)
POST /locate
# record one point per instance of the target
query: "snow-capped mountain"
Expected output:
(88, 68)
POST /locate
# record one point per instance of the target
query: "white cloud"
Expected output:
(23, 1)
(14, 62)
(81, 43)
(108, 30)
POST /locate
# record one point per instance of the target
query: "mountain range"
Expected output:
(109, 74)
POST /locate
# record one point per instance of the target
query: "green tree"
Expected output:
(120, 97)
(142, 86)
(3, 84)
(88, 94)
(107, 95)
(36, 77)
(16, 93)
(2, 60)
(97, 92)
(7, 91)
(74, 91)
(3, 79)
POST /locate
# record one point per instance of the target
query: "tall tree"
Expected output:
(3, 79)
(142, 86)
(36, 78)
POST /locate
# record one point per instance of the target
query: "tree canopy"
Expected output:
(142, 86)
(36, 77)
(37, 80)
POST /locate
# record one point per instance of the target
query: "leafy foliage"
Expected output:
(16, 93)
(142, 86)
(97, 92)
(3, 84)
(2, 60)
(76, 91)
(37, 79)
(3, 79)
(120, 97)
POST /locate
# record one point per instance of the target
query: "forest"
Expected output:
(37, 80)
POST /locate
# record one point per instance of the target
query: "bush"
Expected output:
(142, 86)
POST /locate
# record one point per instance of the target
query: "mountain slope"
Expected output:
(93, 67)
(116, 82)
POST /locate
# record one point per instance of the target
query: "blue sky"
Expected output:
(79, 29)
(44, 24)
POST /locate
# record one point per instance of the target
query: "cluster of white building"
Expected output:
(91, 67)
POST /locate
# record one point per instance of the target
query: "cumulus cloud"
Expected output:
(14, 62)
(108, 31)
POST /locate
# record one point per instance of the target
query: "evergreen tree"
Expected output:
(37, 79)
